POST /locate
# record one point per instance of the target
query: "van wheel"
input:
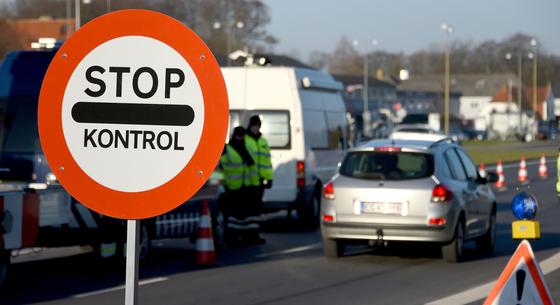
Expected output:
(309, 215)
(333, 248)
(4, 265)
(487, 242)
(454, 251)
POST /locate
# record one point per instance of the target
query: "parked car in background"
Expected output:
(416, 132)
(409, 191)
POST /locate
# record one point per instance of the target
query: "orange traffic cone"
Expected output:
(501, 183)
(482, 170)
(205, 254)
(543, 173)
(522, 173)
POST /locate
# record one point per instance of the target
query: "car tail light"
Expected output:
(441, 194)
(328, 218)
(437, 221)
(328, 191)
(388, 149)
(300, 166)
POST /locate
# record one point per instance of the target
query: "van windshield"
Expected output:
(387, 165)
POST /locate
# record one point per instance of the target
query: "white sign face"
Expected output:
(520, 288)
(132, 113)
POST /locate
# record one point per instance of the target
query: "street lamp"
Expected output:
(238, 25)
(77, 12)
(447, 29)
(520, 83)
(534, 57)
(365, 89)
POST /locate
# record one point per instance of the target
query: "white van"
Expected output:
(304, 121)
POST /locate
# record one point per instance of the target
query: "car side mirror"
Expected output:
(492, 177)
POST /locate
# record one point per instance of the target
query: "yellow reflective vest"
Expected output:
(260, 151)
(236, 173)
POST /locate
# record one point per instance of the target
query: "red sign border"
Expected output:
(523, 252)
(133, 205)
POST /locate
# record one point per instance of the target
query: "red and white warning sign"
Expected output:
(132, 114)
(521, 282)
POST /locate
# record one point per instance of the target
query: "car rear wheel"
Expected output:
(487, 242)
(453, 252)
(333, 248)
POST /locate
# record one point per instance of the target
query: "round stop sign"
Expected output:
(132, 114)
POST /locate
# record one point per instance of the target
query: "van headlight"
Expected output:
(51, 179)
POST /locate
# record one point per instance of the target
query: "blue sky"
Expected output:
(408, 25)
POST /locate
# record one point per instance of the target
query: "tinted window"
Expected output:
(336, 123)
(314, 127)
(470, 168)
(387, 166)
(455, 164)
(18, 125)
(415, 119)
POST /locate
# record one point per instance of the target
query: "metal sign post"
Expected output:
(132, 262)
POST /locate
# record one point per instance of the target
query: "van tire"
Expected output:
(333, 248)
(454, 251)
(309, 214)
(4, 266)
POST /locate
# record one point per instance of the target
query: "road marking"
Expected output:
(549, 265)
(102, 291)
(291, 250)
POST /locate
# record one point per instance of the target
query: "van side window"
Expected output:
(315, 126)
(336, 123)
(276, 128)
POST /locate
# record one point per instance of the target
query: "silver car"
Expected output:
(409, 190)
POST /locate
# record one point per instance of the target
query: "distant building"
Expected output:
(381, 94)
(425, 94)
(30, 30)
(545, 101)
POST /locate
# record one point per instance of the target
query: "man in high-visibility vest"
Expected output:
(239, 173)
(260, 151)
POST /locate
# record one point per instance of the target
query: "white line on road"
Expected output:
(549, 265)
(291, 250)
(102, 291)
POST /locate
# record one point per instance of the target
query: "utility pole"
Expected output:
(448, 29)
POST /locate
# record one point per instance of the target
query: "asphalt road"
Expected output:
(290, 269)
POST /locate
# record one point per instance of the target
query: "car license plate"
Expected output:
(393, 208)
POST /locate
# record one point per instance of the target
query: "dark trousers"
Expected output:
(242, 210)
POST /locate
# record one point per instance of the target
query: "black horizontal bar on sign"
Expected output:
(130, 113)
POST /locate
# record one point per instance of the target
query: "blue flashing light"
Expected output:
(524, 206)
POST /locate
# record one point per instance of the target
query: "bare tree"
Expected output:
(345, 59)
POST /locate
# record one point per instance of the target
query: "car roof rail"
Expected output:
(444, 140)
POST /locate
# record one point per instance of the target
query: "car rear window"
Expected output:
(373, 165)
